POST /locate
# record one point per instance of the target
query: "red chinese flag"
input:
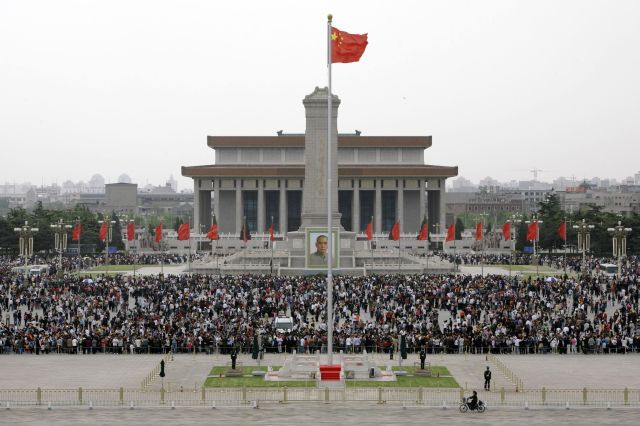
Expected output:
(562, 231)
(213, 232)
(245, 235)
(506, 231)
(368, 231)
(75, 234)
(394, 234)
(478, 231)
(131, 231)
(346, 47)
(532, 231)
(272, 236)
(424, 230)
(158, 233)
(183, 232)
(451, 232)
(103, 232)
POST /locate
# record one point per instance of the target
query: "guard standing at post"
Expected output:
(423, 357)
(234, 356)
(487, 379)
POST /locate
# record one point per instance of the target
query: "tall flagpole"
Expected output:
(329, 181)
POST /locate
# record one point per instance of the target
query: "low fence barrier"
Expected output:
(153, 374)
(507, 372)
(426, 397)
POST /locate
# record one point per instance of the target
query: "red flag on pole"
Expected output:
(213, 230)
(245, 235)
(478, 231)
(103, 232)
(368, 231)
(272, 236)
(184, 232)
(347, 47)
(158, 233)
(562, 231)
(75, 234)
(451, 232)
(131, 231)
(424, 230)
(394, 234)
(506, 231)
(532, 231)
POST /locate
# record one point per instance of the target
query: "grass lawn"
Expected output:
(250, 382)
(444, 381)
(116, 268)
(410, 381)
(530, 268)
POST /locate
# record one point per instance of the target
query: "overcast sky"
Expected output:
(136, 86)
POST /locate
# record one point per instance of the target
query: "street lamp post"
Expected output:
(109, 223)
(584, 241)
(483, 217)
(535, 220)
(619, 236)
(60, 230)
(80, 262)
(26, 244)
(135, 252)
(515, 221)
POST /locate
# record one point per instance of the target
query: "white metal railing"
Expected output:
(239, 396)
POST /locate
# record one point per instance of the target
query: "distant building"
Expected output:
(121, 197)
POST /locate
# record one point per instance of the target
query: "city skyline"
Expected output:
(504, 88)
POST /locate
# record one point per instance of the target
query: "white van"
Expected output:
(283, 324)
(609, 270)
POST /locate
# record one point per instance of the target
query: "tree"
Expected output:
(552, 216)
(521, 236)
(116, 238)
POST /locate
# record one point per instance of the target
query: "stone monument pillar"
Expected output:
(314, 198)
(314, 201)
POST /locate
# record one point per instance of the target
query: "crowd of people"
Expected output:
(441, 313)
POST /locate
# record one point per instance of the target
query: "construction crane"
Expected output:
(535, 173)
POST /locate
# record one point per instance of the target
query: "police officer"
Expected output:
(234, 356)
(487, 379)
(423, 357)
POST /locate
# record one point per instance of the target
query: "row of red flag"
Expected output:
(394, 234)
(532, 231)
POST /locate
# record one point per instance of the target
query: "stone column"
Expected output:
(314, 201)
(261, 212)
(216, 200)
(239, 212)
(283, 207)
(443, 209)
(400, 205)
(421, 199)
(196, 204)
(377, 215)
(355, 222)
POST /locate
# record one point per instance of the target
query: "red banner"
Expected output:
(103, 232)
(451, 233)
(184, 232)
(506, 231)
(75, 234)
(158, 233)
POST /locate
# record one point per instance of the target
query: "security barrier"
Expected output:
(220, 397)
